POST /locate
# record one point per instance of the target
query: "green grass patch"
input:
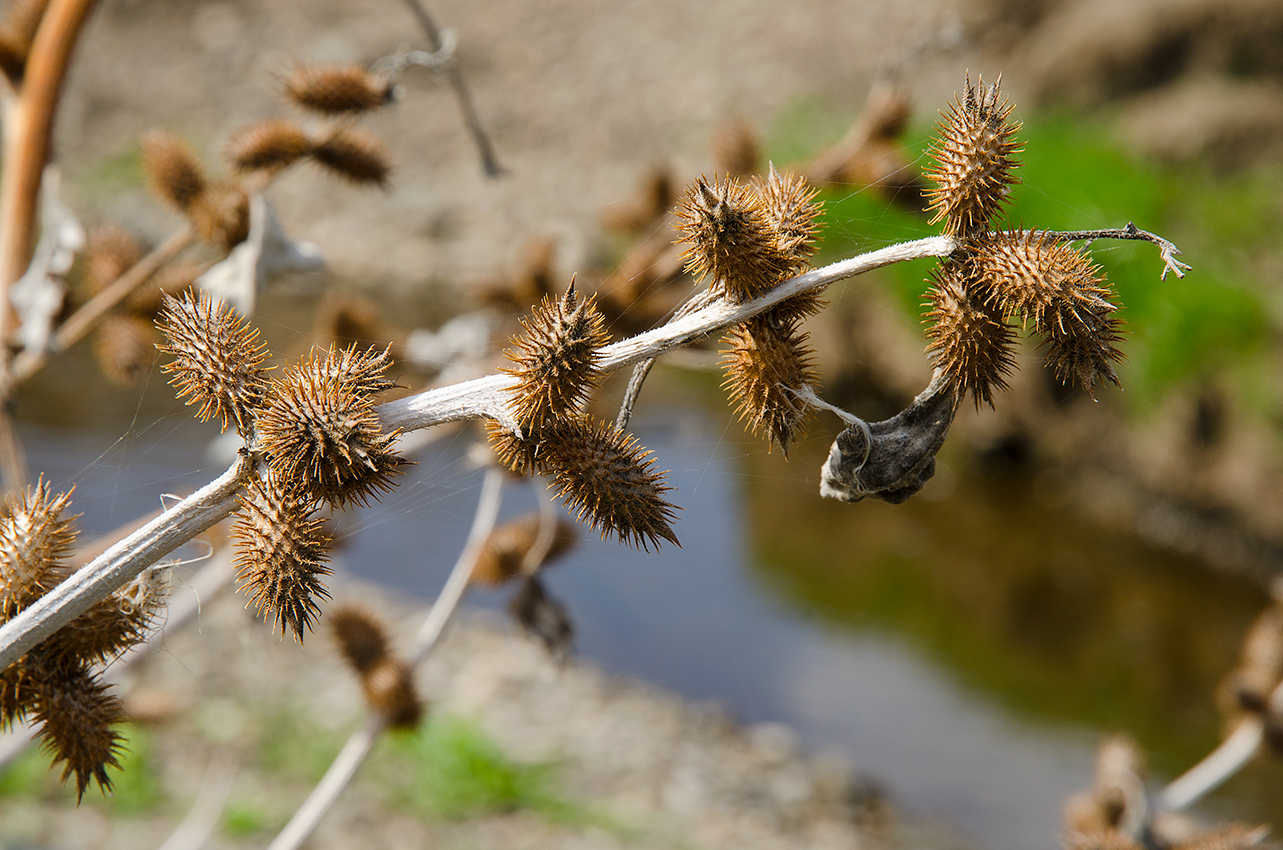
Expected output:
(296, 750)
(450, 769)
(135, 786)
(243, 819)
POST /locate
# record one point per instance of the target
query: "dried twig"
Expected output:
(455, 77)
(485, 397)
(359, 744)
(28, 130)
(1222, 763)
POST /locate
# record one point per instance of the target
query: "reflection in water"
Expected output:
(966, 649)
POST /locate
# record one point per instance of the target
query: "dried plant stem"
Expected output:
(1167, 250)
(1223, 762)
(455, 77)
(485, 397)
(642, 370)
(205, 814)
(361, 742)
(213, 578)
(82, 321)
(122, 562)
(28, 131)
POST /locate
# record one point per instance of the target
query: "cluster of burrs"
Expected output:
(996, 276)
(218, 210)
(315, 429)
(747, 238)
(599, 470)
(57, 685)
(316, 433)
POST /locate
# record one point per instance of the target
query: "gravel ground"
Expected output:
(655, 771)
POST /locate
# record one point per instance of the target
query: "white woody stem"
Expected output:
(361, 742)
(479, 398)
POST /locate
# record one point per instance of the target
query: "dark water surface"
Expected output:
(967, 649)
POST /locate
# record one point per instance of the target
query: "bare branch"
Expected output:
(114, 568)
(484, 397)
(359, 744)
(455, 77)
(1167, 250)
(28, 132)
(1223, 762)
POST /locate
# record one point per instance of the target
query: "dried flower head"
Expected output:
(76, 715)
(281, 553)
(505, 553)
(220, 215)
(110, 252)
(974, 160)
(267, 145)
(388, 682)
(319, 430)
(768, 357)
(609, 480)
(337, 89)
(968, 339)
(731, 238)
(792, 211)
(735, 148)
(173, 172)
(35, 540)
(17, 33)
(125, 346)
(555, 360)
(218, 360)
(1031, 273)
(356, 155)
(389, 690)
(1081, 344)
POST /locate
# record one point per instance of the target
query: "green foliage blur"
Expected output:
(454, 771)
(135, 787)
